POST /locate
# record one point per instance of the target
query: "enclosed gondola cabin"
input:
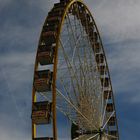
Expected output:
(43, 80)
(102, 69)
(112, 121)
(105, 82)
(99, 58)
(96, 48)
(74, 131)
(41, 112)
(45, 54)
(49, 37)
(113, 133)
(109, 107)
(107, 94)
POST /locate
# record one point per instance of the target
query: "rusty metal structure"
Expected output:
(71, 75)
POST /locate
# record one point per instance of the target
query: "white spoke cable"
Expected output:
(111, 136)
(108, 119)
(92, 137)
(104, 111)
(82, 137)
(78, 138)
(98, 137)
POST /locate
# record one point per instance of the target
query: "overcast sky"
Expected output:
(20, 25)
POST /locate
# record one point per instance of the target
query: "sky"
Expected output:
(20, 26)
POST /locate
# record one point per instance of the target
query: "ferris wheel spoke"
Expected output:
(86, 137)
(80, 137)
(98, 137)
(111, 136)
(108, 119)
(92, 137)
(104, 108)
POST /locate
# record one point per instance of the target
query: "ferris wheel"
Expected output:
(71, 75)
